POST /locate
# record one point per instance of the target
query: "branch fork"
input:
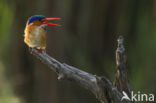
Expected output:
(101, 87)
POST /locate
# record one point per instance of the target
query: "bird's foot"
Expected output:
(31, 51)
(39, 50)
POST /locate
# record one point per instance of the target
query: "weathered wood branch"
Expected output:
(101, 87)
(122, 79)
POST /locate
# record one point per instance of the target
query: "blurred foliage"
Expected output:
(86, 39)
(6, 18)
(6, 89)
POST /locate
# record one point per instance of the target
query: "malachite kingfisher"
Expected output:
(35, 33)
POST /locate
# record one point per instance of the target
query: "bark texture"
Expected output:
(101, 87)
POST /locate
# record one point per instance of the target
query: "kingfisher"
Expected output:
(35, 32)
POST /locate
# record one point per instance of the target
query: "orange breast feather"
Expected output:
(35, 36)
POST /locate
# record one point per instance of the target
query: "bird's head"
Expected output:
(42, 20)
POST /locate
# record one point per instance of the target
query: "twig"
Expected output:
(101, 87)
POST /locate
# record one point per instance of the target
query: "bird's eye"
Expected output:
(40, 19)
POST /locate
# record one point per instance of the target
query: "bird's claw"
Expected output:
(39, 50)
(32, 52)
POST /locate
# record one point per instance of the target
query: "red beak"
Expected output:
(51, 24)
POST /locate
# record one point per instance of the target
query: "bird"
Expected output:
(35, 32)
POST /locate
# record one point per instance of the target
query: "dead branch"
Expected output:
(122, 79)
(101, 87)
